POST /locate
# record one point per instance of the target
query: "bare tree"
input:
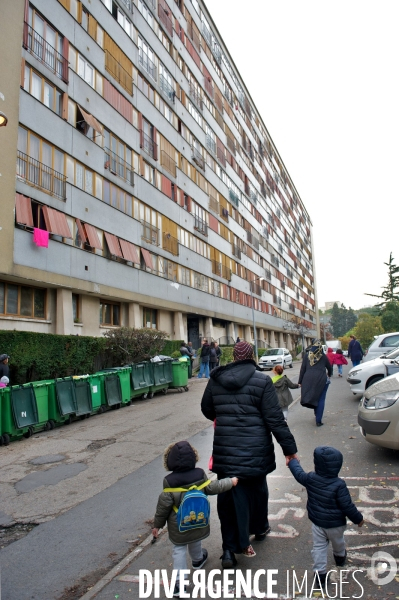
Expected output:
(297, 329)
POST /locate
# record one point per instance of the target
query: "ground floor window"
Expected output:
(109, 314)
(149, 318)
(22, 301)
(75, 308)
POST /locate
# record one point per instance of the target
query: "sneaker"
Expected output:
(176, 591)
(249, 552)
(260, 537)
(340, 561)
(200, 563)
(228, 559)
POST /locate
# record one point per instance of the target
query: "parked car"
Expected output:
(366, 374)
(275, 356)
(382, 343)
(378, 414)
(345, 352)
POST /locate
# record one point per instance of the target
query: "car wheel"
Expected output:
(374, 380)
(291, 365)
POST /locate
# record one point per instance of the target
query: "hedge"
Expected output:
(172, 346)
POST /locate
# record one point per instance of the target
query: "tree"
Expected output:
(298, 329)
(345, 339)
(342, 319)
(366, 328)
(325, 332)
(127, 345)
(351, 318)
(389, 292)
(390, 317)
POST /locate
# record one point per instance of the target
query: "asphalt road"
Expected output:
(85, 537)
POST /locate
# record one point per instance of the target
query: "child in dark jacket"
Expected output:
(339, 360)
(329, 503)
(180, 458)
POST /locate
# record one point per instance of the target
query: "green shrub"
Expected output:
(175, 354)
(227, 355)
(171, 346)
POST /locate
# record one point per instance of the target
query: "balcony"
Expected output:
(234, 197)
(206, 34)
(292, 308)
(196, 97)
(200, 225)
(253, 240)
(214, 205)
(221, 270)
(165, 19)
(36, 45)
(236, 251)
(231, 145)
(253, 196)
(198, 158)
(168, 163)
(116, 165)
(150, 233)
(282, 285)
(194, 36)
(123, 77)
(170, 244)
(268, 274)
(209, 87)
(147, 64)
(128, 4)
(41, 176)
(210, 144)
(148, 145)
(166, 88)
(221, 156)
(275, 260)
(224, 213)
(255, 288)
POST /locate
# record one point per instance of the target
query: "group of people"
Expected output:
(210, 356)
(246, 411)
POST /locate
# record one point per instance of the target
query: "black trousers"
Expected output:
(243, 510)
(190, 367)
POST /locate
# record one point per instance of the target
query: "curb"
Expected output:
(100, 585)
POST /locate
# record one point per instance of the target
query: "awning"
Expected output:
(91, 121)
(113, 244)
(147, 259)
(92, 236)
(23, 210)
(129, 252)
(56, 222)
(82, 233)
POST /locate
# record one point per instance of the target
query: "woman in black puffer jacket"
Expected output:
(243, 403)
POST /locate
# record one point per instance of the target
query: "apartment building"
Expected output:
(140, 186)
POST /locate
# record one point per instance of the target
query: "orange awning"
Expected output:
(129, 251)
(91, 121)
(56, 222)
(23, 209)
(92, 236)
(113, 244)
(147, 259)
(82, 233)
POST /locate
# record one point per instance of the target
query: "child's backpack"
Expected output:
(194, 510)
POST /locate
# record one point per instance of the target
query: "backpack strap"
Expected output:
(193, 487)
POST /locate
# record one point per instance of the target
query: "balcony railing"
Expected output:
(165, 20)
(128, 4)
(200, 225)
(149, 146)
(116, 165)
(150, 233)
(36, 45)
(236, 251)
(147, 64)
(253, 240)
(268, 274)
(233, 197)
(198, 158)
(255, 288)
(166, 88)
(170, 244)
(224, 213)
(41, 175)
(168, 163)
(221, 270)
(253, 196)
(214, 204)
(196, 97)
(206, 34)
(211, 144)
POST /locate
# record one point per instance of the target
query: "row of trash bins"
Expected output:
(41, 405)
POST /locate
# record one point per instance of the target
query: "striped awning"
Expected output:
(91, 121)
(23, 210)
(113, 244)
(92, 236)
(129, 251)
(56, 222)
(81, 231)
(147, 259)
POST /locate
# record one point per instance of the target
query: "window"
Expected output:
(149, 318)
(147, 58)
(109, 314)
(149, 173)
(210, 139)
(125, 23)
(166, 83)
(42, 90)
(75, 308)
(83, 178)
(389, 341)
(44, 42)
(18, 300)
(118, 157)
(85, 71)
(146, 13)
(184, 276)
(201, 282)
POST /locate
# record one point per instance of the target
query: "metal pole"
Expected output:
(253, 321)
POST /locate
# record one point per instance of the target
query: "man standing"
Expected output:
(205, 358)
(4, 368)
(355, 351)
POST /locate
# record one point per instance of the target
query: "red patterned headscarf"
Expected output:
(243, 350)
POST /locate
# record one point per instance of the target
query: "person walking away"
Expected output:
(339, 360)
(205, 357)
(355, 351)
(213, 358)
(282, 385)
(219, 353)
(184, 351)
(242, 403)
(4, 366)
(180, 459)
(329, 504)
(330, 355)
(314, 379)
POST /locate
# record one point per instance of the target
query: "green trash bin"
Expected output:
(180, 375)
(112, 389)
(24, 407)
(66, 397)
(162, 371)
(41, 391)
(98, 400)
(83, 396)
(9, 430)
(54, 414)
(140, 379)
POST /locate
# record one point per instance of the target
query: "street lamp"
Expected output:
(252, 283)
(3, 119)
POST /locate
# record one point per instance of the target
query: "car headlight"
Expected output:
(352, 373)
(382, 400)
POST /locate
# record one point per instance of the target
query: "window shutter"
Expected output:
(56, 222)
(213, 223)
(166, 186)
(23, 210)
(113, 244)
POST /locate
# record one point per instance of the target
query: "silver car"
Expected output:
(275, 356)
(381, 345)
(378, 414)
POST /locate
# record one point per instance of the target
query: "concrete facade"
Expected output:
(144, 140)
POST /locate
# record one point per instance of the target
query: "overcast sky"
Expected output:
(324, 77)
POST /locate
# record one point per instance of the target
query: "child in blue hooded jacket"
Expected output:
(329, 504)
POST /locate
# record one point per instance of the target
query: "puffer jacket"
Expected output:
(329, 501)
(339, 359)
(282, 386)
(244, 403)
(330, 355)
(180, 458)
